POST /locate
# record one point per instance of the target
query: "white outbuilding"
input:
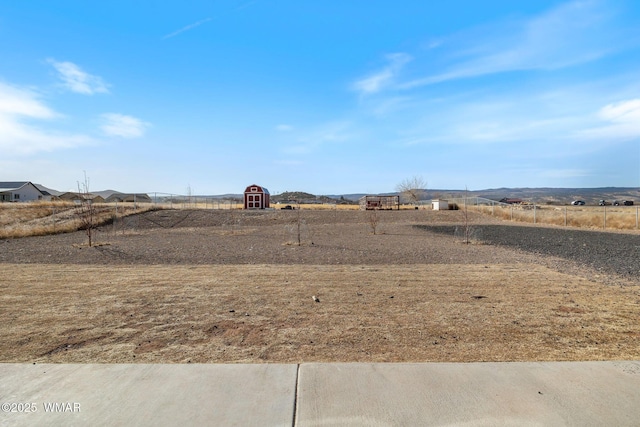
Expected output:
(439, 205)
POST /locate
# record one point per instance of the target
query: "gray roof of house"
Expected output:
(13, 185)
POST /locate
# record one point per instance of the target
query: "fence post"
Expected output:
(565, 216)
(511, 212)
(534, 213)
(604, 224)
(637, 218)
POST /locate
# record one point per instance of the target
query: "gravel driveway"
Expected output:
(613, 253)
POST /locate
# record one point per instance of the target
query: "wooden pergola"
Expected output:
(370, 203)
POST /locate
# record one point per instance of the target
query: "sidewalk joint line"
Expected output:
(295, 397)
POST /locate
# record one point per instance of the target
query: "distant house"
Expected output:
(79, 197)
(129, 198)
(370, 203)
(21, 191)
(256, 197)
(47, 196)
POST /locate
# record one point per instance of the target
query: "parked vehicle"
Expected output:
(628, 202)
(602, 203)
(578, 203)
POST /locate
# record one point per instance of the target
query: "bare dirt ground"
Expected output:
(214, 286)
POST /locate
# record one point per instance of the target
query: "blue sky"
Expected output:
(323, 97)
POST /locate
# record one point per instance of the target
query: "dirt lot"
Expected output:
(211, 286)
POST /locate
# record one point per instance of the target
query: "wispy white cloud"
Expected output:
(204, 21)
(618, 121)
(19, 135)
(622, 112)
(123, 126)
(389, 105)
(77, 80)
(284, 128)
(570, 34)
(16, 102)
(246, 5)
(379, 80)
(433, 44)
(187, 28)
(557, 121)
(553, 116)
(329, 133)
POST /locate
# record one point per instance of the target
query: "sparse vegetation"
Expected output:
(86, 211)
(212, 297)
(466, 228)
(172, 314)
(299, 229)
(36, 218)
(298, 225)
(595, 217)
(45, 218)
(374, 220)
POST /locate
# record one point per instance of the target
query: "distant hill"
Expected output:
(557, 196)
(543, 195)
(292, 196)
(303, 197)
(549, 196)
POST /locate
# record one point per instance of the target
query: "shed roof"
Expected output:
(263, 189)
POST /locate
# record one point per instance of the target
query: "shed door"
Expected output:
(254, 201)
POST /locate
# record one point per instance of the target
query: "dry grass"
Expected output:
(37, 218)
(44, 218)
(11, 213)
(594, 217)
(265, 313)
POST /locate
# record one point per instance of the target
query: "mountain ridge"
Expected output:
(540, 195)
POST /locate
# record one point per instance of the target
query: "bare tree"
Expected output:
(466, 219)
(86, 212)
(299, 228)
(374, 220)
(298, 222)
(412, 189)
(464, 232)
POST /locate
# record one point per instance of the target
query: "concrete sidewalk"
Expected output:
(334, 394)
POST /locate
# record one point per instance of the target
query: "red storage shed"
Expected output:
(256, 197)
